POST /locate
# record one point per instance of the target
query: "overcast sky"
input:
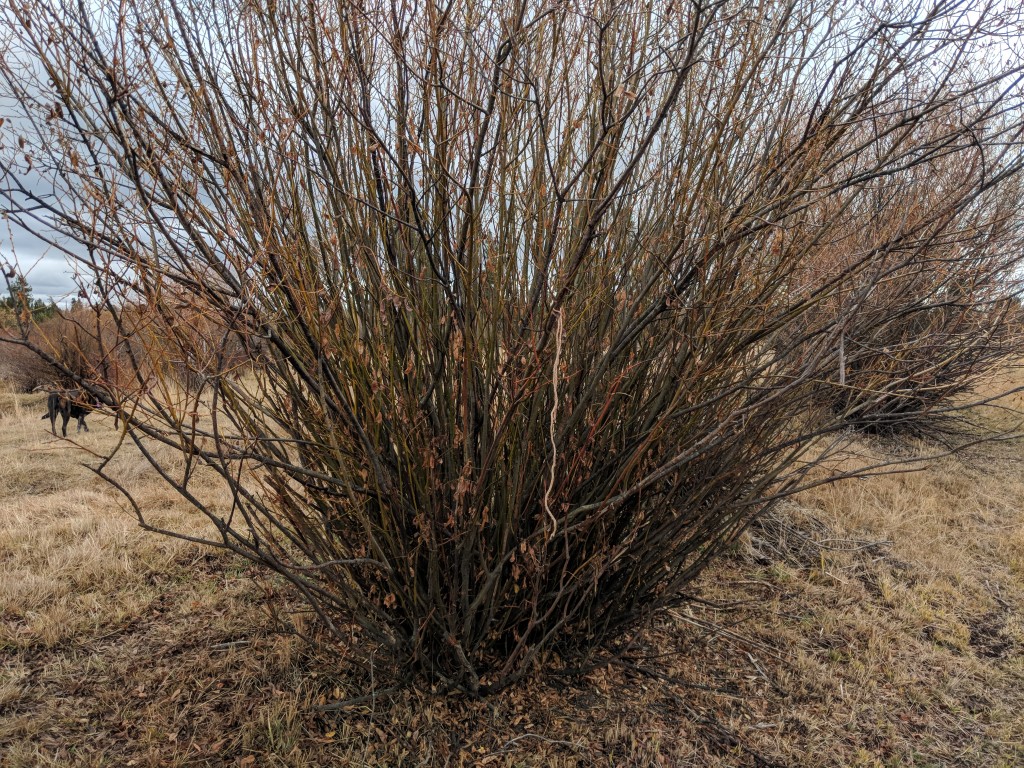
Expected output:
(46, 269)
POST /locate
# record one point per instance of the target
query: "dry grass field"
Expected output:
(877, 622)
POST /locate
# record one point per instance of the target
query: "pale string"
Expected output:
(554, 414)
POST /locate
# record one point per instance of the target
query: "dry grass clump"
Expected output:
(69, 550)
(875, 622)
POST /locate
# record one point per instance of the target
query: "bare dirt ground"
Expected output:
(877, 622)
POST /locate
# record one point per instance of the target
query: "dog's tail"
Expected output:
(46, 416)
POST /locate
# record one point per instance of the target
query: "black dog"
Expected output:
(69, 405)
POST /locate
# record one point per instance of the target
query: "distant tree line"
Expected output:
(19, 300)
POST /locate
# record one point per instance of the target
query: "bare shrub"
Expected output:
(935, 313)
(524, 284)
(62, 350)
(22, 370)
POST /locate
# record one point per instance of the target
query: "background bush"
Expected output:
(936, 312)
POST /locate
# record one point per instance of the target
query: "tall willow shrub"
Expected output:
(520, 282)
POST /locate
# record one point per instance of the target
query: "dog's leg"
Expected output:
(51, 414)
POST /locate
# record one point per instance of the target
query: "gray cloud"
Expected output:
(46, 269)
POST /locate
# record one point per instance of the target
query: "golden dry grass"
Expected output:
(876, 622)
